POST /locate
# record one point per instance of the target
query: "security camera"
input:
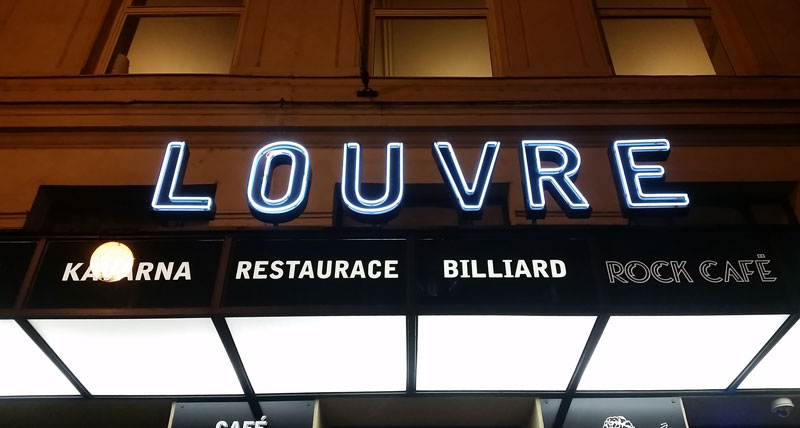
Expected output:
(782, 407)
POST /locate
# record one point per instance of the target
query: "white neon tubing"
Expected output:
(461, 184)
(552, 146)
(206, 202)
(373, 206)
(647, 171)
(276, 149)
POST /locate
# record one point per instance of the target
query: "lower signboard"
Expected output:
(640, 412)
(537, 270)
(274, 414)
(626, 413)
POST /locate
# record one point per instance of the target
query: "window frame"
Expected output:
(485, 12)
(698, 9)
(128, 10)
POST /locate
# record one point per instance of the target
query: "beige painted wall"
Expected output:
(321, 37)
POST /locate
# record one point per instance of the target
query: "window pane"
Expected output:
(767, 213)
(641, 4)
(187, 3)
(169, 44)
(432, 48)
(656, 47)
(429, 4)
(708, 215)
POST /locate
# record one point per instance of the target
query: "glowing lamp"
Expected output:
(111, 262)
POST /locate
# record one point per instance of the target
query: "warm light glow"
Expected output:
(427, 47)
(322, 354)
(183, 44)
(676, 353)
(656, 47)
(111, 262)
(778, 368)
(486, 353)
(24, 369)
(170, 356)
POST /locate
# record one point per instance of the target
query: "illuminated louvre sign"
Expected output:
(546, 165)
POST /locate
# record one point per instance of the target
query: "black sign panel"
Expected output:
(316, 272)
(166, 273)
(275, 414)
(625, 413)
(14, 260)
(522, 269)
(725, 270)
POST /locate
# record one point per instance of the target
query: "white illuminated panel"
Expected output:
(25, 369)
(479, 353)
(778, 368)
(178, 356)
(639, 353)
(322, 354)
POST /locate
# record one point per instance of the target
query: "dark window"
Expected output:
(430, 205)
(103, 209)
(761, 203)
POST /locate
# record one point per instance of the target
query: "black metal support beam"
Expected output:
(236, 361)
(222, 271)
(27, 280)
(411, 354)
(784, 328)
(411, 320)
(51, 354)
(586, 355)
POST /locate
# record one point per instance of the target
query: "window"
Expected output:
(761, 203)
(104, 209)
(662, 37)
(426, 205)
(431, 38)
(174, 36)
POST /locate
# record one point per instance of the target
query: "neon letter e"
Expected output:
(631, 176)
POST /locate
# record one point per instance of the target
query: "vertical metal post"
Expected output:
(222, 271)
(27, 280)
(411, 318)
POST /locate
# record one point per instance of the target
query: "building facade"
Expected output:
(93, 91)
